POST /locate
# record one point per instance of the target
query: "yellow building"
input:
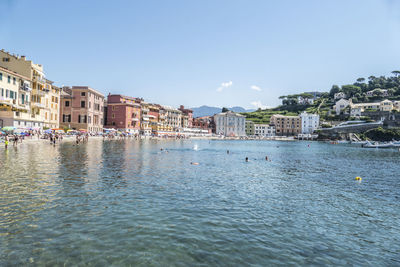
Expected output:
(51, 112)
(34, 72)
(15, 94)
(386, 105)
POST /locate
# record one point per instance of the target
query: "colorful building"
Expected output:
(286, 125)
(52, 105)
(205, 123)
(249, 128)
(123, 113)
(35, 74)
(82, 109)
(187, 117)
(15, 94)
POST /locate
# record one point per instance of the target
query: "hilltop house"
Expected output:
(305, 101)
(356, 110)
(339, 95)
(341, 104)
(381, 92)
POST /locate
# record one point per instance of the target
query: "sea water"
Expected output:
(130, 203)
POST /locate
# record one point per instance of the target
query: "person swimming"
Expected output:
(194, 163)
(266, 158)
(247, 159)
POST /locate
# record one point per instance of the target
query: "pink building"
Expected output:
(123, 113)
(81, 107)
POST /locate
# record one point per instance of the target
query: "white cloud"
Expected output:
(255, 88)
(224, 85)
(258, 104)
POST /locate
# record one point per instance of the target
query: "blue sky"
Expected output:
(213, 52)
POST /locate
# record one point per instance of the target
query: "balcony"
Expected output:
(38, 92)
(39, 79)
(25, 87)
(5, 101)
(145, 110)
(37, 105)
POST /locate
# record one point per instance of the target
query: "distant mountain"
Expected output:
(209, 111)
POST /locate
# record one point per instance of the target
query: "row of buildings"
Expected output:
(234, 124)
(28, 100)
(346, 106)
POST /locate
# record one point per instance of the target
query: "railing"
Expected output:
(38, 105)
(25, 88)
(38, 79)
(5, 101)
(38, 92)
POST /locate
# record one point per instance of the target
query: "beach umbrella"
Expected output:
(60, 131)
(82, 130)
(2, 132)
(8, 128)
(48, 131)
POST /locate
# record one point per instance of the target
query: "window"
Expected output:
(12, 94)
(83, 93)
(1, 76)
(67, 103)
(113, 116)
(6, 59)
(9, 79)
(14, 80)
(22, 99)
(2, 91)
(90, 105)
(83, 104)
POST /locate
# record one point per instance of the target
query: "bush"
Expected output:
(383, 135)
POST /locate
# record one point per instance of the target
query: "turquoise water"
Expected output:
(127, 203)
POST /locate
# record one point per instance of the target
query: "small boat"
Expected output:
(359, 142)
(378, 145)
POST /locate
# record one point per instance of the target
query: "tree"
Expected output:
(396, 73)
(335, 89)
(224, 109)
(361, 80)
(350, 90)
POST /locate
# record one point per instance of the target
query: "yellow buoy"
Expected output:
(358, 178)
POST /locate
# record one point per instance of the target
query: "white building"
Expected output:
(230, 124)
(15, 97)
(340, 95)
(309, 122)
(173, 117)
(382, 92)
(305, 101)
(340, 105)
(264, 130)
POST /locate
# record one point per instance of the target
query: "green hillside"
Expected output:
(356, 91)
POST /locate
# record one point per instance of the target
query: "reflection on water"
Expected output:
(128, 202)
